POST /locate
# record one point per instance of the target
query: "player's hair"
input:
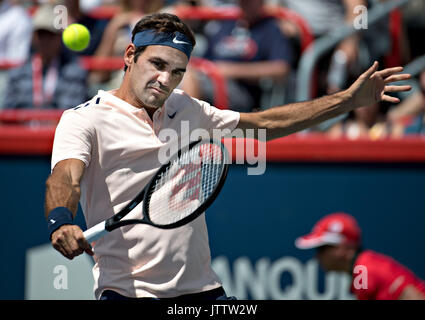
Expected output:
(161, 22)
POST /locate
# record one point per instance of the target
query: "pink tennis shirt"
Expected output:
(120, 146)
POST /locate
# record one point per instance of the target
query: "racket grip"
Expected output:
(95, 232)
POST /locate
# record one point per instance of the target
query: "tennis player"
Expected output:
(337, 238)
(106, 150)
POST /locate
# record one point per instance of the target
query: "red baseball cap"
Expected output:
(334, 228)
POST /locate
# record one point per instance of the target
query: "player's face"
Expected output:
(330, 258)
(157, 72)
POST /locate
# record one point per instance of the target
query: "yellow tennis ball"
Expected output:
(76, 37)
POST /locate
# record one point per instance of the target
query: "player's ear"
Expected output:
(129, 54)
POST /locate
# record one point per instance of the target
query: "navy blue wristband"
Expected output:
(58, 217)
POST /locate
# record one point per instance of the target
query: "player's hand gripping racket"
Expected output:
(179, 191)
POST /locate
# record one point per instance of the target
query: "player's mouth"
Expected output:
(157, 90)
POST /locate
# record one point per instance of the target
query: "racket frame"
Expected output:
(115, 221)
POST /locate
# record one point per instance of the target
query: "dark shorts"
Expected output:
(215, 294)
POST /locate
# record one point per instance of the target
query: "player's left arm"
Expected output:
(371, 87)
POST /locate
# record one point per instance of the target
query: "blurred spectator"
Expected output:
(15, 32)
(205, 3)
(197, 25)
(324, 16)
(337, 238)
(48, 79)
(409, 116)
(95, 26)
(117, 35)
(413, 19)
(245, 51)
(168, 8)
(340, 66)
(367, 122)
(118, 31)
(379, 41)
(89, 5)
(15, 39)
(354, 53)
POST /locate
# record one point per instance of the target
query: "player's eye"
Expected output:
(158, 65)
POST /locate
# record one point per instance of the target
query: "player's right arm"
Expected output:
(63, 190)
(371, 87)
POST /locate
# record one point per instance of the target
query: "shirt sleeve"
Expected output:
(73, 138)
(214, 118)
(399, 280)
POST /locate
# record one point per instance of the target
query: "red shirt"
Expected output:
(379, 277)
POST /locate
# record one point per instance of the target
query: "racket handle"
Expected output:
(95, 232)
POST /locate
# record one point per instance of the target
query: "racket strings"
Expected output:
(186, 184)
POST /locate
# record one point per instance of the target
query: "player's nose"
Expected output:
(164, 78)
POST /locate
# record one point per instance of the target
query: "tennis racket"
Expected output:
(179, 192)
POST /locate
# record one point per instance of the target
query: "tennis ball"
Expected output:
(76, 37)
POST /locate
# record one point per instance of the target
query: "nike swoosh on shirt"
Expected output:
(171, 116)
(178, 41)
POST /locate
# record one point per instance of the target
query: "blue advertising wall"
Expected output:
(254, 222)
(259, 217)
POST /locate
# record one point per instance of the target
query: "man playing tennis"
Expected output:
(106, 150)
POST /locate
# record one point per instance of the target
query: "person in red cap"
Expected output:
(337, 238)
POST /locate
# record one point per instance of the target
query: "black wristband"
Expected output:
(58, 217)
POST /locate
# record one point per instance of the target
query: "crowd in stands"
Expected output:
(258, 55)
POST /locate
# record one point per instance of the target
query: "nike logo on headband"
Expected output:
(150, 37)
(178, 41)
